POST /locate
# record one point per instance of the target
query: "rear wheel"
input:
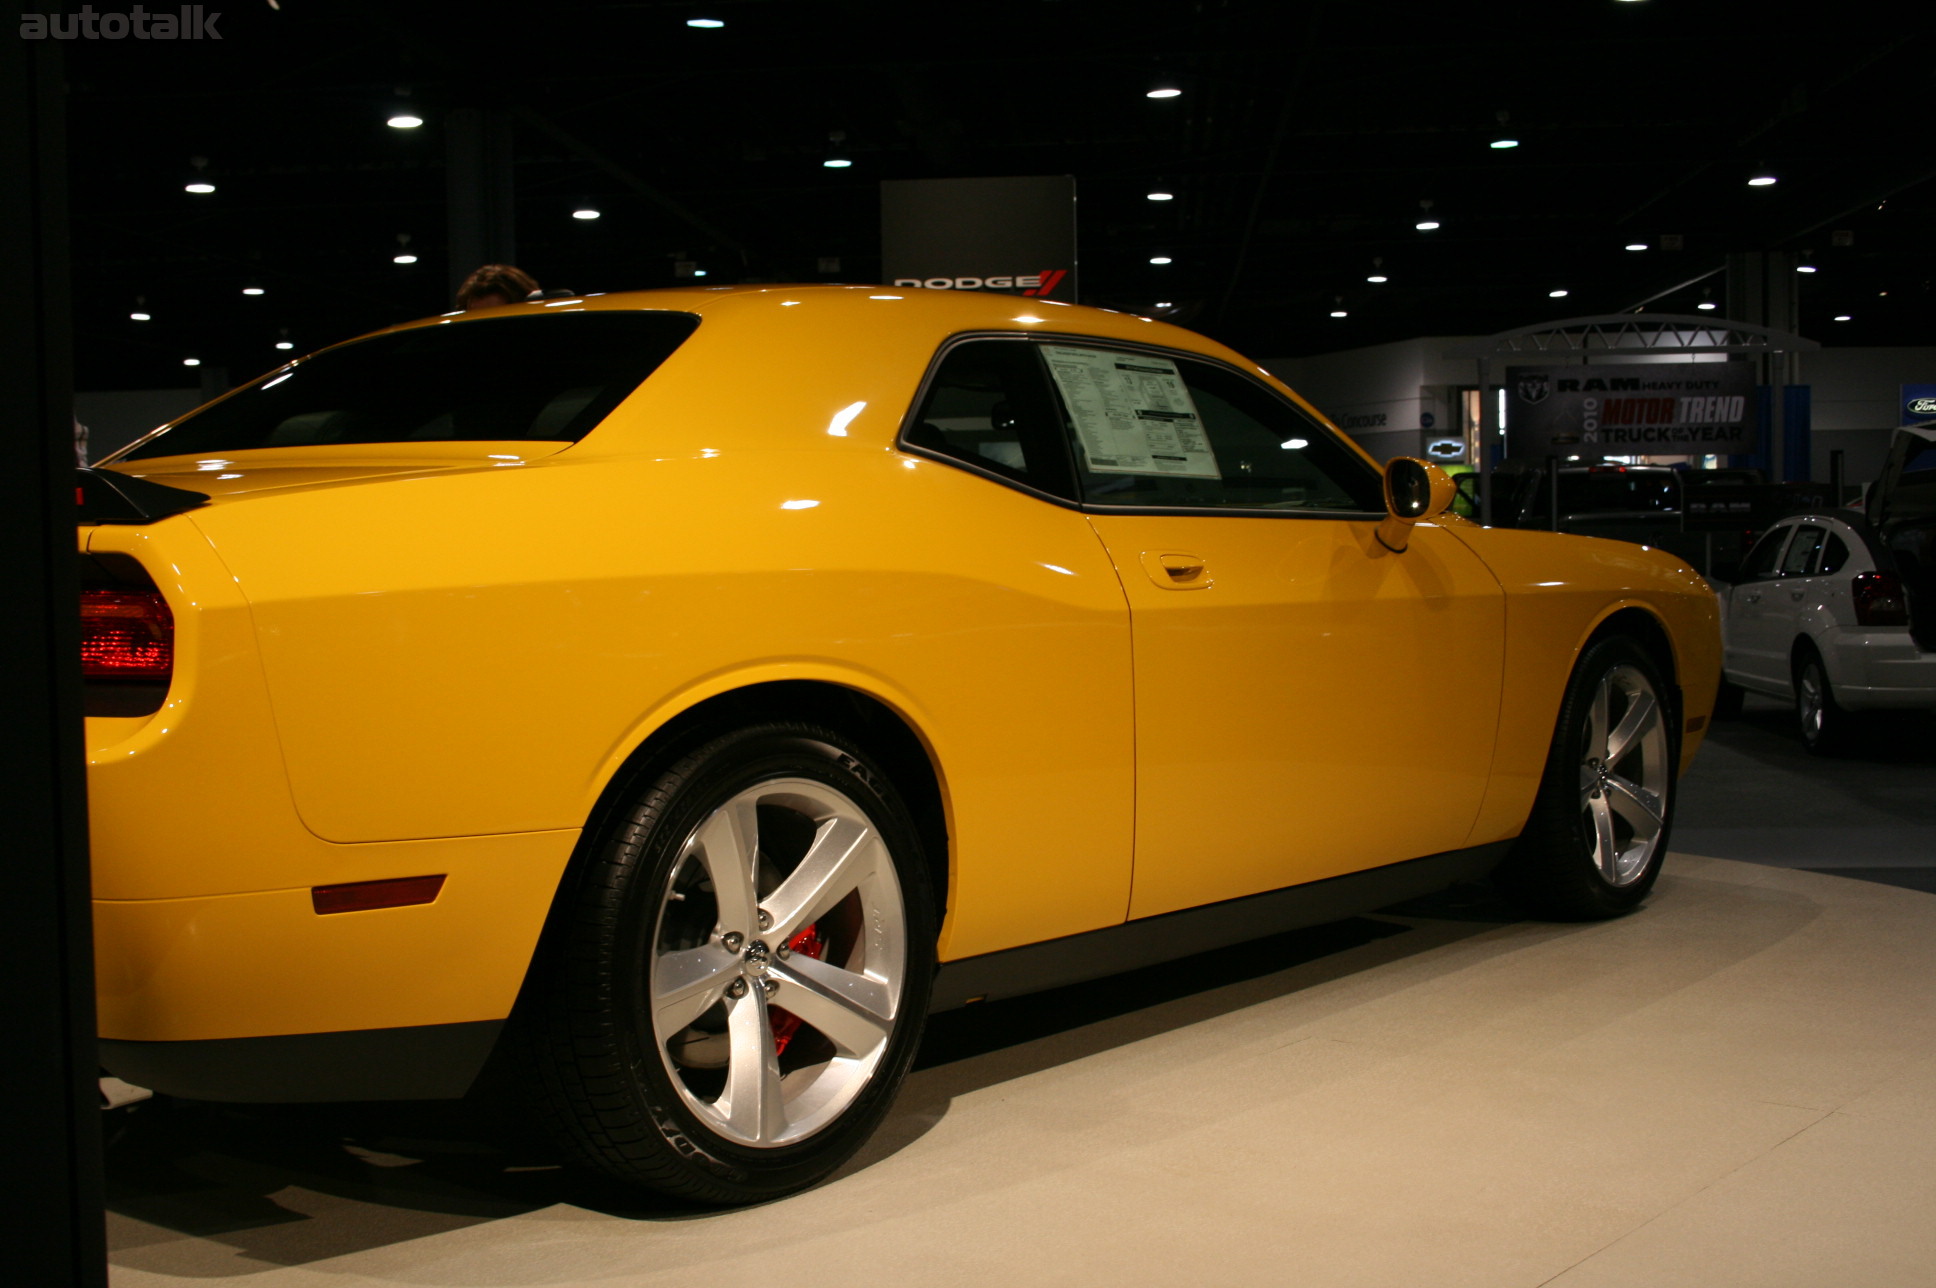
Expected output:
(1823, 723)
(740, 982)
(1598, 831)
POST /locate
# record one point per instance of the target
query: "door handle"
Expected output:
(1174, 570)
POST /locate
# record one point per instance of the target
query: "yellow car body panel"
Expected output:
(434, 657)
(1271, 689)
(265, 963)
(1560, 588)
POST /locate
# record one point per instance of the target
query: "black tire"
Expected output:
(647, 1030)
(1728, 699)
(1819, 718)
(1594, 842)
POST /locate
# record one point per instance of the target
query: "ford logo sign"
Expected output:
(1921, 407)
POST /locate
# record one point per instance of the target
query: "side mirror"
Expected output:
(1415, 491)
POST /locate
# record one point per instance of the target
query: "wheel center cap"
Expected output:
(756, 955)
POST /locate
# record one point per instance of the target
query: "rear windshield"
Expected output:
(548, 377)
(1616, 491)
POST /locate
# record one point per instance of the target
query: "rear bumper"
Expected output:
(427, 1062)
(1880, 669)
(266, 964)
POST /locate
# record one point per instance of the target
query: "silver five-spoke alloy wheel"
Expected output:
(778, 962)
(1624, 774)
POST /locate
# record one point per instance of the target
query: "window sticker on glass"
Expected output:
(1133, 414)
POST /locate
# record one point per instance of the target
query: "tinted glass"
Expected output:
(1913, 498)
(1761, 561)
(1618, 491)
(1835, 554)
(988, 406)
(523, 378)
(1154, 431)
(1802, 551)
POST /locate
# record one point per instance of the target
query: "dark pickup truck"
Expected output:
(1708, 517)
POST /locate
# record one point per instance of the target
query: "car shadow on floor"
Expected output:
(295, 1184)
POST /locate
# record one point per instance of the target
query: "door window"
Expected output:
(1799, 560)
(1151, 431)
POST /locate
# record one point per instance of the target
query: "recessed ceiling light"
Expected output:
(1163, 304)
(252, 290)
(1163, 91)
(1426, 225)
(836, 163)
(1804, 268)
(1636, 245)
(1762, 181)
(1503, 144)
(1339, 313)
(141, 317)
(1705, 304)
(284, 344)
(191, 362)
(1843, 317)
(200, 187)
(1159, 259)
(705, 24)
(1378, 277)
(405, 258)
(1162, 196)
(1557, 295)
(584, 212)
(404, 121)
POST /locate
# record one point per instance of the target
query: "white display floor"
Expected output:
(1735, 1086)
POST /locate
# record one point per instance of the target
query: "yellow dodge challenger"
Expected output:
(678, 695)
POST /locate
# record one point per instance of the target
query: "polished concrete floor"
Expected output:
(1735, 1086)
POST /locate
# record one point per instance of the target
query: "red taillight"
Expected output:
(126, 635)
(1879, 600)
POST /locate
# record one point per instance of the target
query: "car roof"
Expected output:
(944, 311)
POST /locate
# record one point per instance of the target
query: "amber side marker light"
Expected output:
(362, 896)
(126, 635)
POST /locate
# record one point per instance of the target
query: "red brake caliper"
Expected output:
(807, 943)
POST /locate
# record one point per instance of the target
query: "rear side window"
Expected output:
(1174, 433)
(987, 406)
(1835, 553)
(549, 378)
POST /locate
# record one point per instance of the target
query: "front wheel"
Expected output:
(737, 986)
(1594, 842)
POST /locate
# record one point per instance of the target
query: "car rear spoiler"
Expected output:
(105, 496)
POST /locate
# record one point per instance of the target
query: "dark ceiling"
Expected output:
(1305, 141)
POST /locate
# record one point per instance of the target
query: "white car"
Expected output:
(1820, 616)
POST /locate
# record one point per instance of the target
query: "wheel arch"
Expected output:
(890, 737)
(1647, 630)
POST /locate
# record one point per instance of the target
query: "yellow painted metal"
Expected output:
(1281, 712)
(1559, 589)
(254, 965)
(383, 651)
